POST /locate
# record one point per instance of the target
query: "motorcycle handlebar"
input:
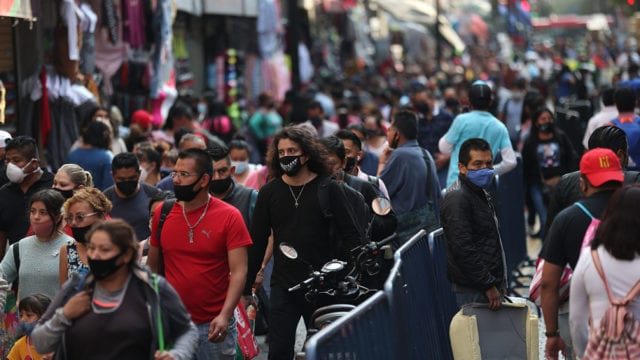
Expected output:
(305, 284)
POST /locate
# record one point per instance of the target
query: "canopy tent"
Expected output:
(16, 8)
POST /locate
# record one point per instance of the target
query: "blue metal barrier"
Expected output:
(510, 210)
(446, 298)
(414, 302)
(365, 333)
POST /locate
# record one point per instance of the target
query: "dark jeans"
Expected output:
(286, 310)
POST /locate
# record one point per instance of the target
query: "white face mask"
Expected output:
(143, 174)
(241, 166)
(16, 174)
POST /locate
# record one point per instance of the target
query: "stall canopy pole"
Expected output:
(294, 40)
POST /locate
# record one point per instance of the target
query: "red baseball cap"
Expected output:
(142, 118)
(600, 165)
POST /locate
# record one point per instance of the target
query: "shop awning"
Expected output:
(16, 8)
(193, 7)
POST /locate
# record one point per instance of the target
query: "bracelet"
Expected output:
(552, 333)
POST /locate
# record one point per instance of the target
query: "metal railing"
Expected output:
(408, 320)
(363, 334)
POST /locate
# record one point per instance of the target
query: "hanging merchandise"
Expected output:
(110, 20)
(3, 102)
(133, 23)
(231, 86)
(45, 112)
(88, 22)
(67, 39)
(162, 58)
(268, 27)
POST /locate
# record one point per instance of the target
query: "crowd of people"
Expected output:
(144, 243)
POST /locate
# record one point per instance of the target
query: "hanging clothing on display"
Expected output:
(162, 55)
(110, 20)
(67, 39)
(133, 23)
(268, 27)
(88, 23)
(45, 113)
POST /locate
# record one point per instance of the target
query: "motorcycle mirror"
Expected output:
(288, 251)
(381, 206)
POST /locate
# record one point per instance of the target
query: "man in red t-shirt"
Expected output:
(203, 245)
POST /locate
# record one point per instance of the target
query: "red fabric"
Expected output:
(246, 341)
(199, 271)
(45, 111)
(142, 118)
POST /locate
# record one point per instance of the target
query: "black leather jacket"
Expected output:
(474, 252)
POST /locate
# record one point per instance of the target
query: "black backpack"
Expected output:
(167, 205)
(356, 207)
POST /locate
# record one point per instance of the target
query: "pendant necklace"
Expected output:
(296, 198)
(184, 214)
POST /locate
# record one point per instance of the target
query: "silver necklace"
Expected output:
(296, 198)
(184, 214)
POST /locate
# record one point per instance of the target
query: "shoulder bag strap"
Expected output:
(584, 209)
(159, 314)
(598, 265)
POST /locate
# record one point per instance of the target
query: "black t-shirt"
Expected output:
(14, 212)
(304, 227)
(122, 334)
(564, 240)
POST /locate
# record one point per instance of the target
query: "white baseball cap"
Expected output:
(4, 136)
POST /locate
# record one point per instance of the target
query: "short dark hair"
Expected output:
(179, 134)
(609, 137)
(121, 235)
(97, 135)
(178, 110)
(148, 154)
(349, 135)
(309, 145)
(201, 158)
(607, 96)
(475, 144)
(125, 161)
(239, 144)
(480, 95)
(406, 122)
(625, 99)
(619, 231)
(218, 152)
(315, 105)
(36, 303)
(24, 145)
(334, 146)
(53, 201)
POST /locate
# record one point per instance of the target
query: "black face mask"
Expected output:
(422, 108)
(127, 188)
(101, 269)
(547, 128)
(369, 133)
(67, 194)
(351, 163)
(80, 233)
(291, 165)
(186, 192)
(219, 186)
(316, 122)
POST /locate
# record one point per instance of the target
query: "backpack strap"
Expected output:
(167, 205)
(161, 346)
(618, 311)
(585, 210)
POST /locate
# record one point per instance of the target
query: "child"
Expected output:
(31, 309)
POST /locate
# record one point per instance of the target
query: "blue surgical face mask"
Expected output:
(202, 108)
(27, 327)
(241, 166)
(482, 177)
